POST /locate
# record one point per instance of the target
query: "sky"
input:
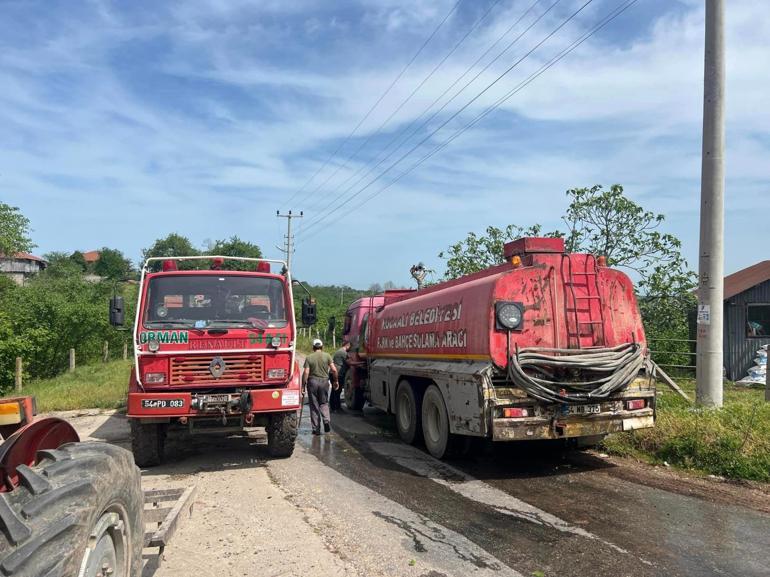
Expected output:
(121, 122)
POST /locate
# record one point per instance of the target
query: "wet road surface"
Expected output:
(544, 510)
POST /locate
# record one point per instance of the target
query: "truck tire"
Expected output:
(354, 396)
(148, 441)
(281, 434)
(77, 510)
(435, 427)
(408, 410)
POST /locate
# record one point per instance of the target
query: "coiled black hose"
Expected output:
(606, 370)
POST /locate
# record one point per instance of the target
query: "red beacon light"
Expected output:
(217, 263)
(263, 266)
(169, 265)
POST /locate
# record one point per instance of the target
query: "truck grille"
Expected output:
(238, 369)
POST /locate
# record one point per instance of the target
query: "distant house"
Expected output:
(747, 317)
(21, 266)
(91, 256)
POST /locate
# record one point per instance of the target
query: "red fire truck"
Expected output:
(214, 351)
(548, 345)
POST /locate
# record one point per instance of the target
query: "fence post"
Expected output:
(125, 351)
(19, 369)
(767, 383)
(106, 352)
(72, 360)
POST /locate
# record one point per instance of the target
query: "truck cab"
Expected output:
(214, 351)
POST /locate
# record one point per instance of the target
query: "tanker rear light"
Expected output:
(516, 412)
(516, 261)
(635, 404)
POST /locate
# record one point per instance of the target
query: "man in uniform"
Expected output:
(340, 362)
(315, 378)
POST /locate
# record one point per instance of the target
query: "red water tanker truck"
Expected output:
(214, 351)
(548, 345)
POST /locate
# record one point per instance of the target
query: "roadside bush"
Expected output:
(732, 442)
(56, 311)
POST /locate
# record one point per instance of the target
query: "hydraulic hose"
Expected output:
(593, 374)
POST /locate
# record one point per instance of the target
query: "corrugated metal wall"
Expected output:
(739, 349)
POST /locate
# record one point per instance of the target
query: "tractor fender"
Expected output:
(21, 448)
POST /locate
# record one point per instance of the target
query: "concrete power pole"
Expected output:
(289, 238)
(709, 361)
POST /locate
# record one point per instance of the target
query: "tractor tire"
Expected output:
(354, 396)
(435, 428)
(148, 442)
(77, 512)
(281, 434)
(408, 410)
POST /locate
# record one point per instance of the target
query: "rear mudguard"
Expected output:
(21, 448)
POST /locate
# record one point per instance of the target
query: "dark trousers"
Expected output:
(318, 398)
(335, 404)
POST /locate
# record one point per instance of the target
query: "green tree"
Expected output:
(80, 260)
(170, 246)
(477, 252)
(112, 264)
(14, 231)
(61, 265)
(235, 246)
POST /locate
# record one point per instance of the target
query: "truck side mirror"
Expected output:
(117, 312)
(308, 312)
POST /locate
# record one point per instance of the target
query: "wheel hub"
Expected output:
(106, 554)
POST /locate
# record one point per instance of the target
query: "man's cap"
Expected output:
(317, 343)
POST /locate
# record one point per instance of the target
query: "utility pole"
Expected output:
(709, 360)
(289, 238)
(342, 293)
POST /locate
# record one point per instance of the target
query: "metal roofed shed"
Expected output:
(746, 318)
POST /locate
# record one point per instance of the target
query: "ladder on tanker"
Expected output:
(583, 309)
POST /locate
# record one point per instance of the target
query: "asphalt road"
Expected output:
(544, 510)
(359, 502)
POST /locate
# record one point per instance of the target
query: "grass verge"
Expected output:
(732, 442)
(101, 386)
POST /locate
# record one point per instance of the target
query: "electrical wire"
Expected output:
(320, 199)
(609, 18)
(379, 100)
(464, 107)
(398, 136)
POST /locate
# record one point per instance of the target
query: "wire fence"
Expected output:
(676, 356)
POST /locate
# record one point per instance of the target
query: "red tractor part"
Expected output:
(22, 446)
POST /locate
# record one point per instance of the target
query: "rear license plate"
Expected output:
(162, 403)
(585, 409)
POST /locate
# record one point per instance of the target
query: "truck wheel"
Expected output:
(354, 396)
(408, 412)
(281, 434)
(148, 442)
(435, 427)
(77, 512)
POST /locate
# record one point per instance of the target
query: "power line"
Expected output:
(609, 18)
(374, 106)
(398, 136)
(462, 108)
(398, 109)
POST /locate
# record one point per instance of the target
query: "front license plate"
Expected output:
(162, 403)
(585, 409)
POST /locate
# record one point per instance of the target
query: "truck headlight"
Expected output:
(509, 315)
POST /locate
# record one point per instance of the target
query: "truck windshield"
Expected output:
(215, 300)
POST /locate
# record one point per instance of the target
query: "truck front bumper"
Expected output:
(570, 427)
(180, 404)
